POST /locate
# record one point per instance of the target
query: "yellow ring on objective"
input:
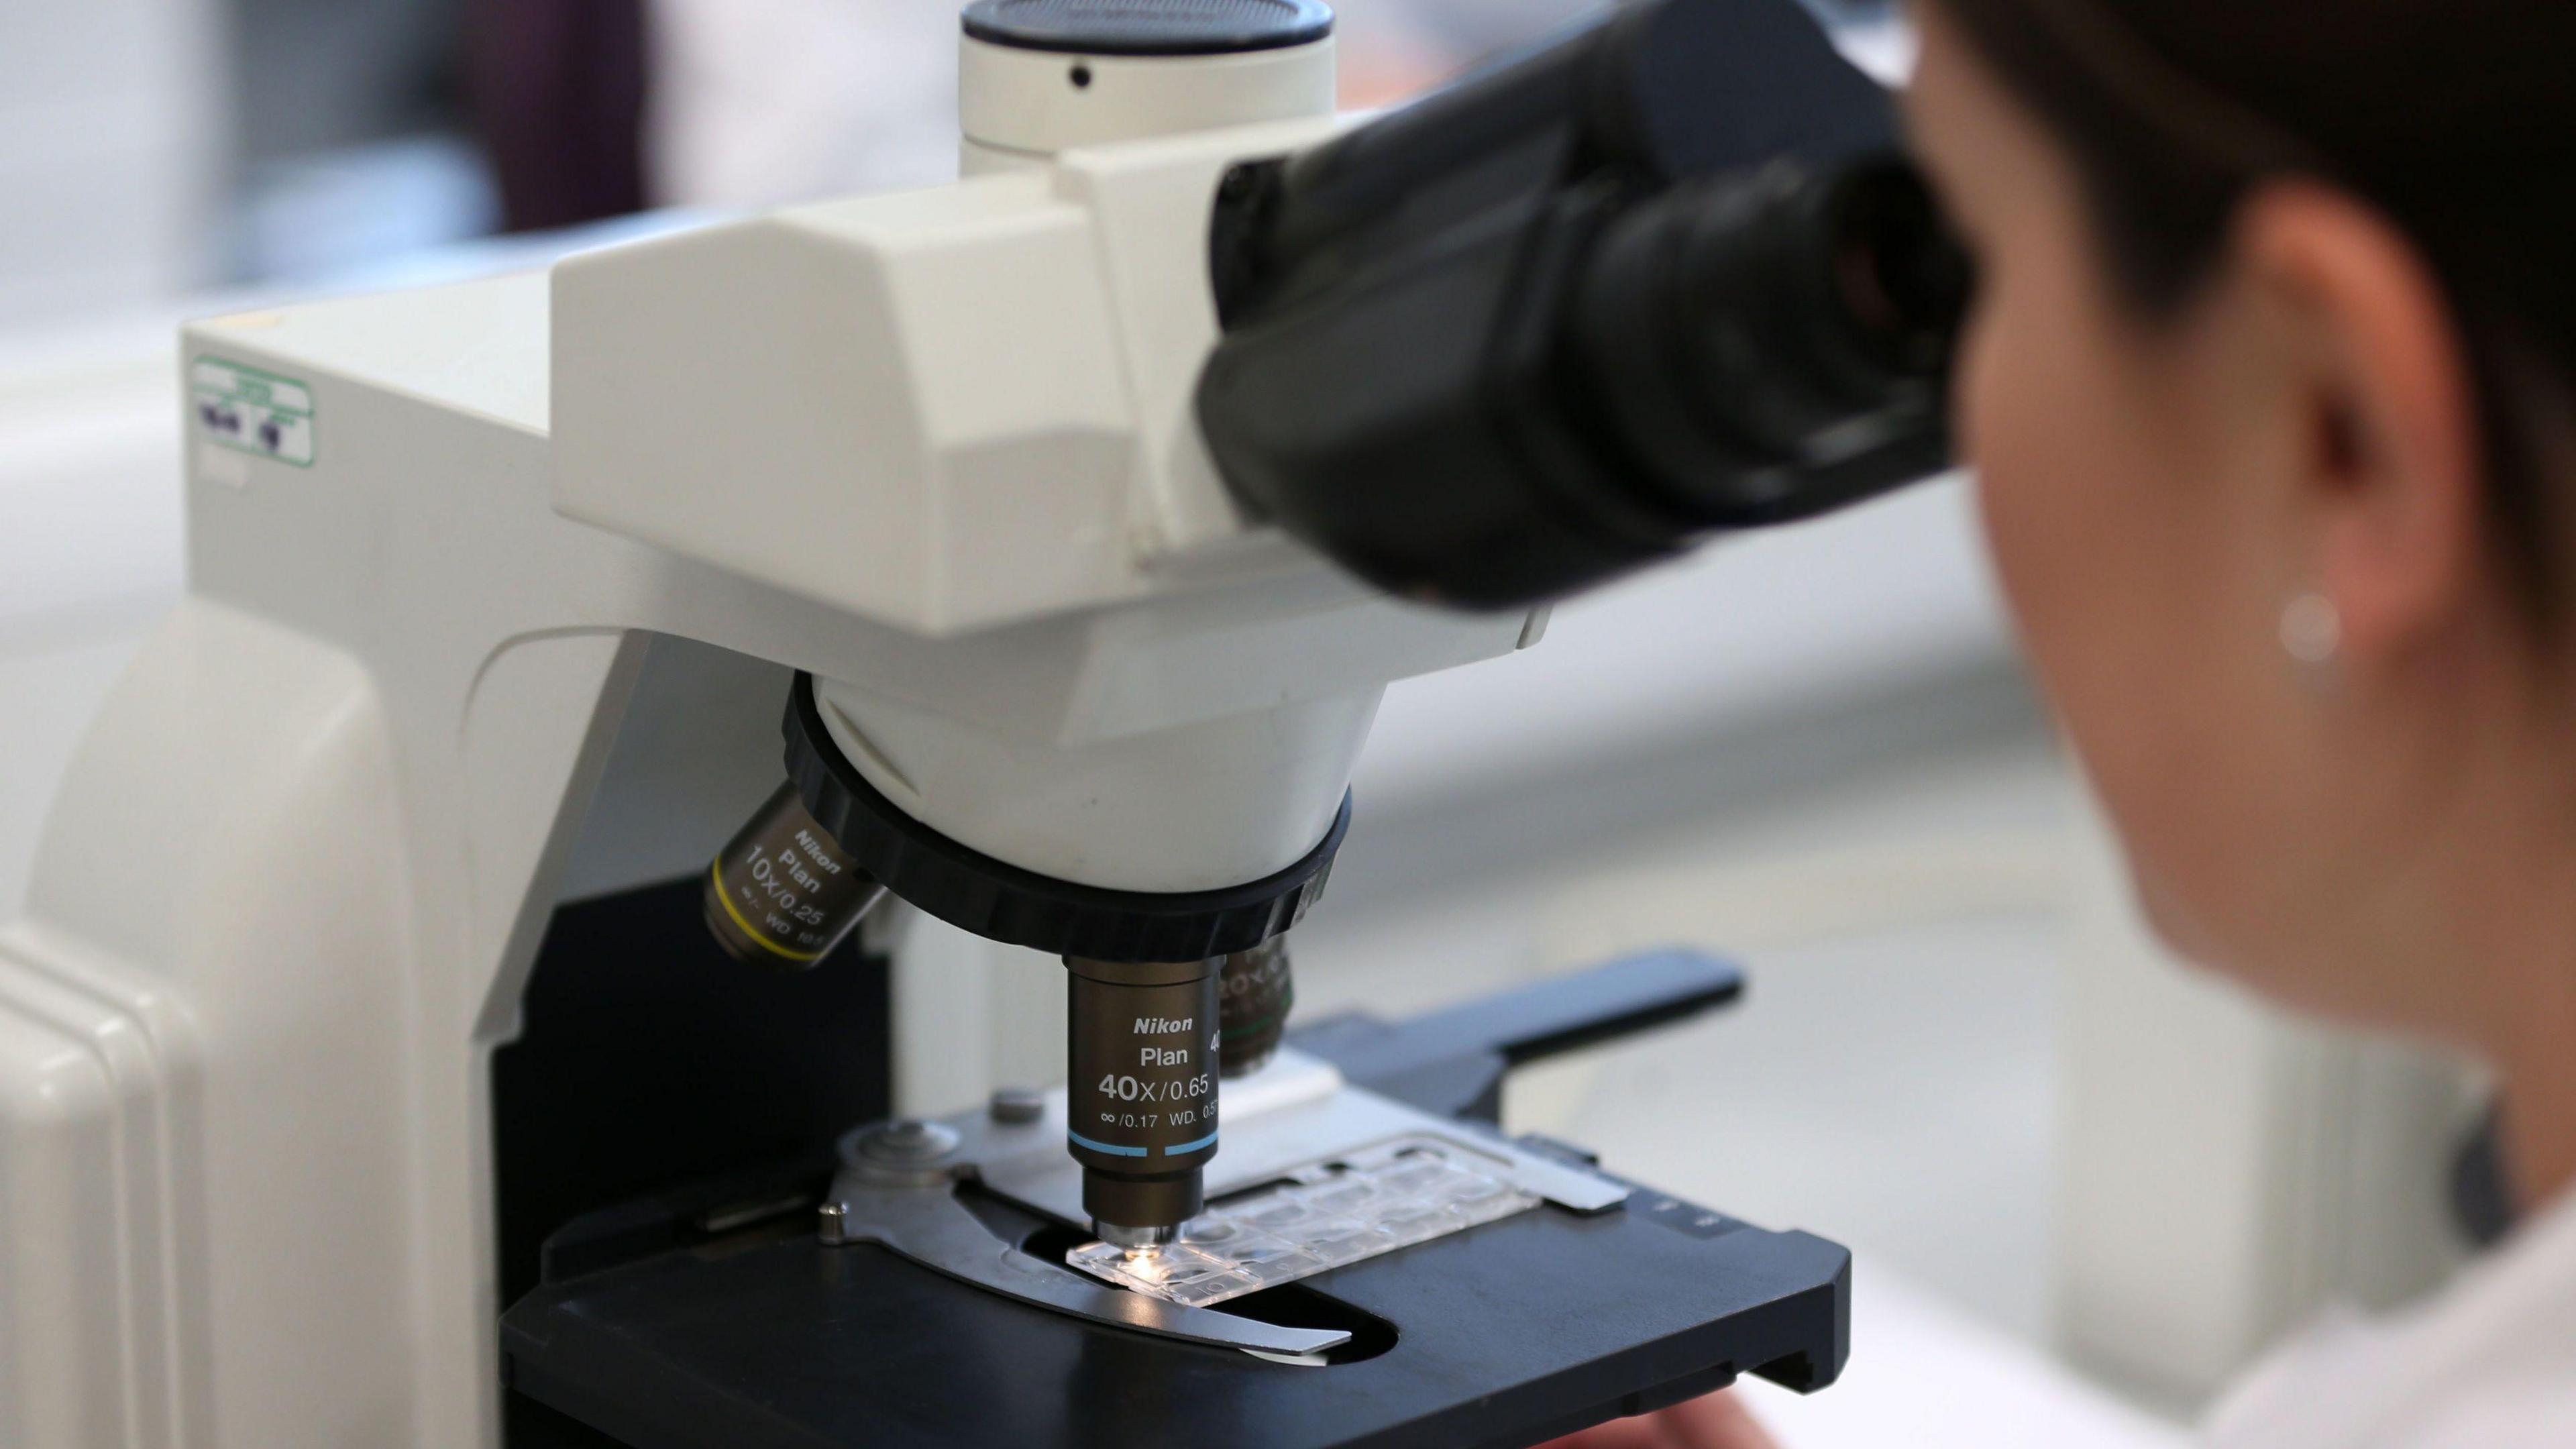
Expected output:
(724, 898)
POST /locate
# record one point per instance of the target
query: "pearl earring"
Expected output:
(2312, 629)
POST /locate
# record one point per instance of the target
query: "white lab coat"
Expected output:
(2488, 1364)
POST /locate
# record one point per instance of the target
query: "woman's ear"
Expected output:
(2387, 465)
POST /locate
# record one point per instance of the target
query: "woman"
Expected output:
(2271, 387)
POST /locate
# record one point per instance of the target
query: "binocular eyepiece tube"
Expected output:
(1670, 276)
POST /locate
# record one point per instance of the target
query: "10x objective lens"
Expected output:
(782, 892)
(1142, 1043)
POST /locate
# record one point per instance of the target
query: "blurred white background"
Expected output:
(2085, 1186)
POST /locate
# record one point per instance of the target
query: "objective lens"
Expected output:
(1142, 1043)
(782, 893)
(1254, 992)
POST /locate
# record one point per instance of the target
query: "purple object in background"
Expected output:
(557, 93)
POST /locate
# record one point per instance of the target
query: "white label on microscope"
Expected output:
(255, 412)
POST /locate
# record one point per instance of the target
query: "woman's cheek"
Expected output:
(2076, 503)
(2048, 491)
(2002, 439)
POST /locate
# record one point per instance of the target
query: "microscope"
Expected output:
(407, 1042)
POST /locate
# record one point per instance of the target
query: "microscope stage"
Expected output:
(937, 1311)
(1503, 1334)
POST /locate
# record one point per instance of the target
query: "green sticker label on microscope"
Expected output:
(259, 413)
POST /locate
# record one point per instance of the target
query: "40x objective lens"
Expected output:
(1142, 1047)
(782, 893)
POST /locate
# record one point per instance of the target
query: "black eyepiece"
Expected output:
(1736, 340)
(1902, 281)
(1669, 276)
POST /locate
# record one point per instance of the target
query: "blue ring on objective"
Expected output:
(1186, 1148)
(1081, 1141)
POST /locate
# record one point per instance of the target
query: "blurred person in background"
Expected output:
(2271, 386)
(558, 94)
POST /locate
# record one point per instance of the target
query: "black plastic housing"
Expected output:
(1665, 276)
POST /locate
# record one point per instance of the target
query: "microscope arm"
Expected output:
(296, 877)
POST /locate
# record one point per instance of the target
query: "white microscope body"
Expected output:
(457, 558)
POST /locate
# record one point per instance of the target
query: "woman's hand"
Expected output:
(1719, 1421)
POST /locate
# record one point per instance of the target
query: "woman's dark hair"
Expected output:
(2456, 119)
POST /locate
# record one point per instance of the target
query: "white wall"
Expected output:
(112, 152)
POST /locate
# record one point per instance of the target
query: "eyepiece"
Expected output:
(1668, 276)
(1902, 283)
(1737, 337)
